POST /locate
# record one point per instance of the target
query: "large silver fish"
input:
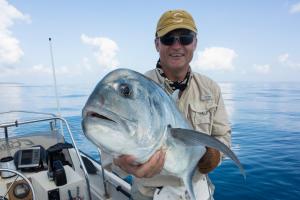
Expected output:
(127, 113)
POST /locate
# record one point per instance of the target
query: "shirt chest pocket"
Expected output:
(201, 115)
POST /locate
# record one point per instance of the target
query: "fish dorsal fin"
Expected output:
(194, 138)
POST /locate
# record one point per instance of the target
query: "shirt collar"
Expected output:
(174, 85)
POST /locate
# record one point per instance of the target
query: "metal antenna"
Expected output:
(55, 83)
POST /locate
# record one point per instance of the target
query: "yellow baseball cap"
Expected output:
(175, 19)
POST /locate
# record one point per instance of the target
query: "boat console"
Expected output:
(43, 166)
(49, 172)
(45, 161)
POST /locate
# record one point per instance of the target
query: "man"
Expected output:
(199, 100)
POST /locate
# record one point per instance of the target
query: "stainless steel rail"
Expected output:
(54, 117)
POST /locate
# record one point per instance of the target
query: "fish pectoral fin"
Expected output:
(195, 138)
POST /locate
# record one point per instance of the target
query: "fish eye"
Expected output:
(125, 90)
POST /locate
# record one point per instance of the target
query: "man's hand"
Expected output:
(209, 160)
(146, 170)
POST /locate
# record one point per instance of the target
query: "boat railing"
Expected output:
(50, 117)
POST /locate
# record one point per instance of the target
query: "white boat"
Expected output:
(41, 165)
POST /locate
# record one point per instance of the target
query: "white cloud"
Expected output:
(215, 58)
(61, 70)
(10, 50)
(39, 69)
(283, 57)
(262, 69)
(295, 8)
(105, 52)
(285, 60)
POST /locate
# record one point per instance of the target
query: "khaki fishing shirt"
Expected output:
(202, 104)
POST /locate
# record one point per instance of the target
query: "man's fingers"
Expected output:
(158, 165)
(147, 168)
(162, 161)
(126, 163)
(130, 161)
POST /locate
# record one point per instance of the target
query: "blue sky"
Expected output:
(237, 40)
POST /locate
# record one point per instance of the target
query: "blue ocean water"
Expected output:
(265, 119)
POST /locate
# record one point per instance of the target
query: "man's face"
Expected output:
(176, 56)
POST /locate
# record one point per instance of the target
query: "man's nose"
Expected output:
(176, 43)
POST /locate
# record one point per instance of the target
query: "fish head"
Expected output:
(124, 113)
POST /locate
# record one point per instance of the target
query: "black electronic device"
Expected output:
(54, 153)
(59, 174)
(53, 194)
(28, 158)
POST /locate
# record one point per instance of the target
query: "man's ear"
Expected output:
(156, 41)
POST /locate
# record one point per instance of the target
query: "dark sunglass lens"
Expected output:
(183, 39)
(186, 39)
(167, 40)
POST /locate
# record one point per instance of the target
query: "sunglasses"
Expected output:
(182, 39)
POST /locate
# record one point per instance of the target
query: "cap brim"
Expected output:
(166, 30)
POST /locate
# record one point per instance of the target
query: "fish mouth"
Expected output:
(95, 115)
(108, 118)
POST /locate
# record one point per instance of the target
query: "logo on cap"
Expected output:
(177, 18)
